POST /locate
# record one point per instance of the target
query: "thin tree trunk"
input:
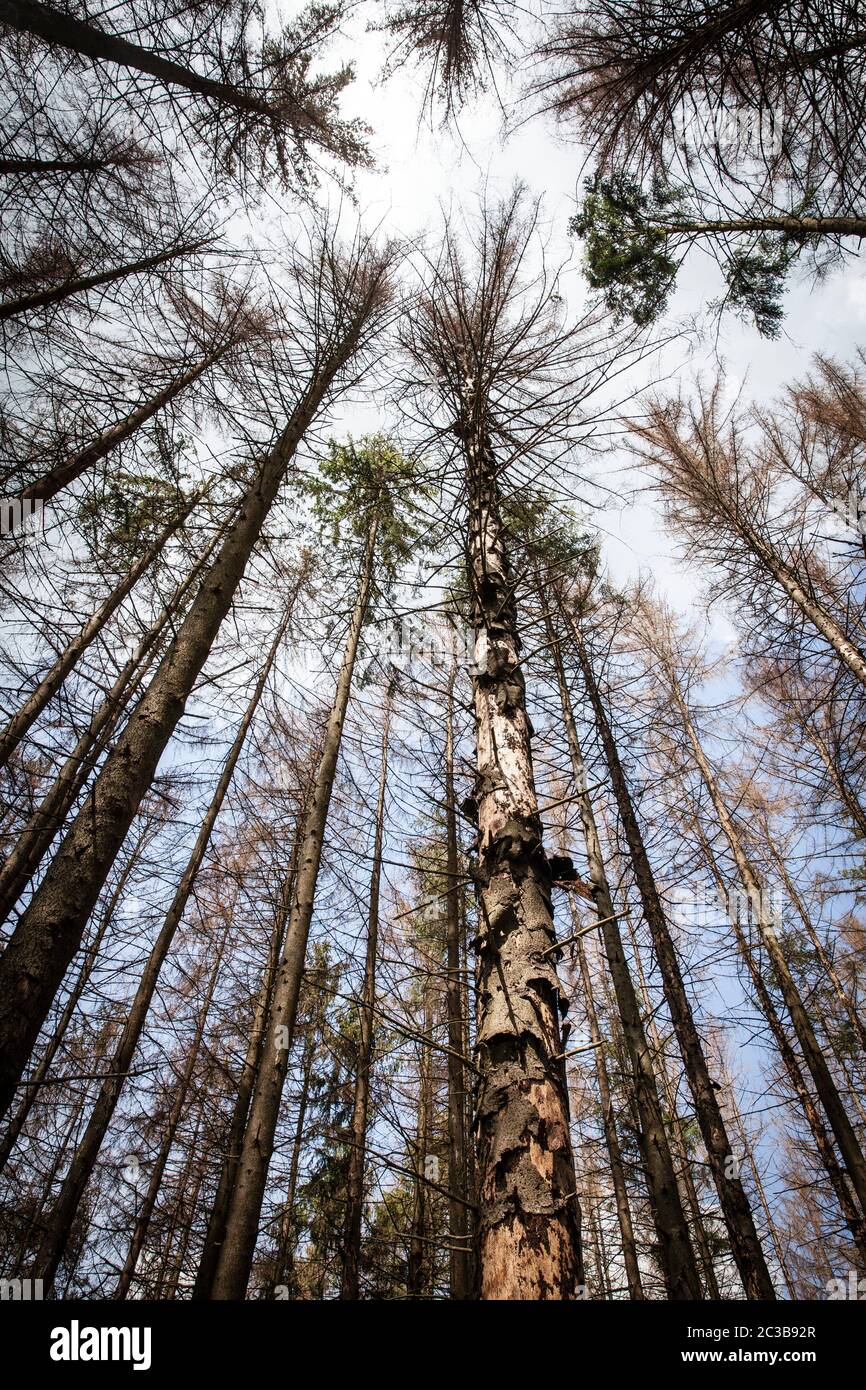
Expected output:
(236, 1254)
(745, 1245)
(172, 1264)
(51, 483)
(38, 834)
(38, 299)
(676, 1255)
(823, 1143)
(60, 1221)
(215, 1233)
(35, 1223)
(358, 1144)
(459, 1255)
(416, 1267)
(786, 579)
(50, 930)
(844, 792)
(284, 1269)
(748, 1151)
(826, 963)
(678, 1141)
(90, 952)
(51, 682)
(145, 1211)
(59, 29)
(614, 1152)
(843, 1130)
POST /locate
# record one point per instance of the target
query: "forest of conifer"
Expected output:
(433, 613)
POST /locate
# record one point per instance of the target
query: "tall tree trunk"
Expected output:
(844, 791)
(417, 1261)
(59, 166)
(236, 1254)
(29, 1235)
(29, 712)
(528, 1234)
(459, 1253)
(611, 1138)
(79, 284)
(186, 1197)
(81, 1167)
(745, 1245)
(37, 836)
(772, 1229)
(50, 930)
(51, 483)
(358, 1145)
(784, 576)
(842, 995)
(823, 1143)
(788, 223)
(215, 1233)
(59, 29)
(90, 953)
(679, 1146)
(284, 1266)
(145, 1211)
(843, 1130)
(676, 1255)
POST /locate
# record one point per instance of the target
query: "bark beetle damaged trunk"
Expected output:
(529, 1243)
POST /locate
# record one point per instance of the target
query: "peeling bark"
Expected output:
(460, 1254)
(528, 1236)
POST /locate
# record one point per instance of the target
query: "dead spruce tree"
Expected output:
(247, 101)
(490, 353)
(460, 45)
(366, 489)
(349, 1286)
(551, 550)
(647, 79)
(339, 301)
(35, 837)
(719, 491)
(48, 686)
(736, 125)
(666, 644)
(59, 1222)
(230, 1145)
(745, 1244)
